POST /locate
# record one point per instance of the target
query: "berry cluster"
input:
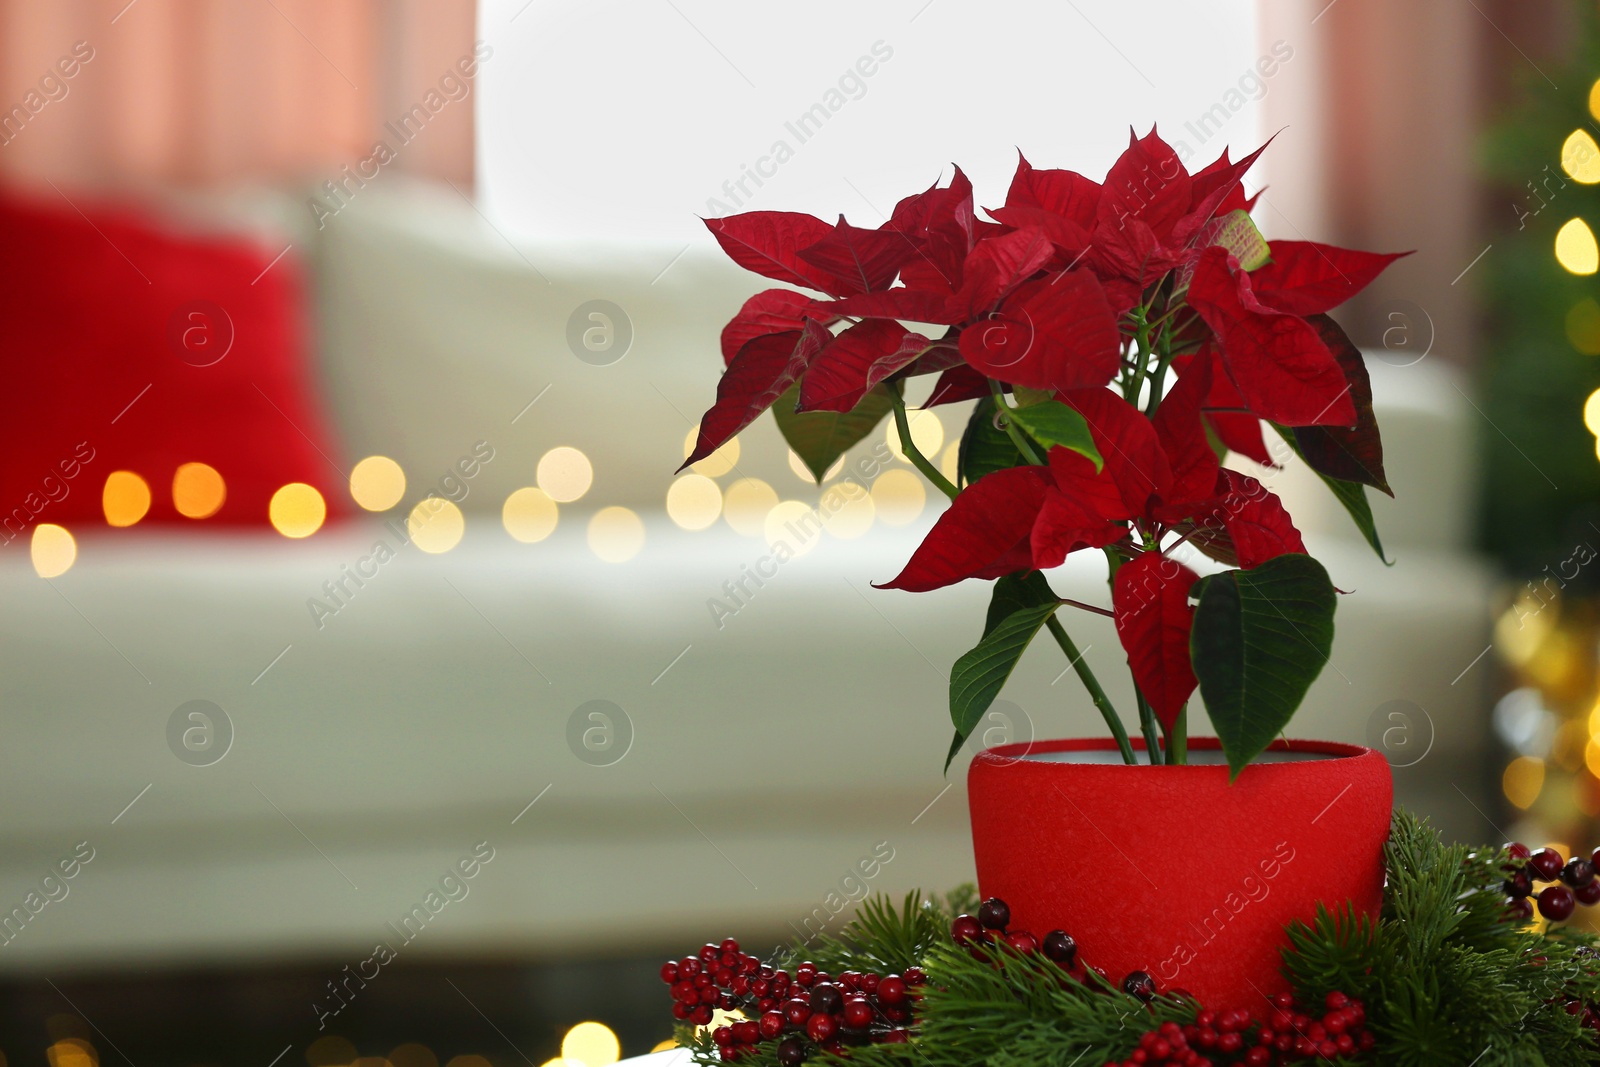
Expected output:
(976, 932)
(808, 1009)
(1575, 883)
(1285, 1036)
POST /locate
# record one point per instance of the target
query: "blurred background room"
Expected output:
(391, 701)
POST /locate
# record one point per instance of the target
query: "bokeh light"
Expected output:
(377, 483)
(927, 433)
(1591, 412)
(1522, 781)
(950, 463)
(565, 474)
(616, 534)
(694, 501)
(52, 550)
(72, 1052)
(794, 524)
(591, 1044)
(664, 1046)
(529, 515)
(847, 510)
(297, 510)
(1594, 100)
(125, 498)
(436, 525)
(330, 1051)
(719, 462)
(1580, 157)
(1575, 248)
(746, 503)
(899, 497)
(412, 1054)
(198, 491)
(1583, 326)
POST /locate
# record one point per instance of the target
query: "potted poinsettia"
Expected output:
(1120, 339)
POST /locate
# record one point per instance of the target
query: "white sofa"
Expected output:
(767, 756)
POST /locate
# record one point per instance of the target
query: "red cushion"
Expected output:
(102, 351)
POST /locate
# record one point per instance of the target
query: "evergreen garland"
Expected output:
(1445, 979)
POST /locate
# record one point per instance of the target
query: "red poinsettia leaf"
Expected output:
(1225, 412)
(1148, 184)
(855, 361)
(1182, 433)
(866, 259)
(769, 311)
(1258, 527)
(769, 243)
(1354, 454)
(981, 529)
(1083, 509)
(911, 305)
(945, 226)
(1063, 193)
(1305, 278)
(1214, 191)
(1280, 366)
(1128, 445)
(1054, 333)
(997, 266)
(1068, 237)
(956, 384)
(1150, 604)
(758, 375)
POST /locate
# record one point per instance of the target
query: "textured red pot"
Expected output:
(1172, 870)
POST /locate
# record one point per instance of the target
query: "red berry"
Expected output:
(746, 1032)
(821, 1027)
(701, 1016)
(1230, 1042)
(669, 972)
(1588, 894)
(1023, 942)
(1139, 984)
(1060, 947)
(826, 998)
(892, 990)
(791, 1051)
(857, 1013)
(1577, 872)
(1556, 903)
(1546, 864)
(914, 976)
(1519, 884)
(897, 1036)
(994, 913)
(772, 1024)
(1519, 909)
(806, 973)
(689, 966)
(796, 1012)
(709, 952)
(1336, 1001)
(966, 930)
(1518, 850)
(1257, 1057)
(869, 982)
(730, 946)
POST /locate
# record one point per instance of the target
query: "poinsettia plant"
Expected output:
(1121, 339)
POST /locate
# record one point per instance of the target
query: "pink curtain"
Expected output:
(113, 93)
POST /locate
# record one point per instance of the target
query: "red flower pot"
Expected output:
(1172, 870)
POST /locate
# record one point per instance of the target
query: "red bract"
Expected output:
(1119, 337)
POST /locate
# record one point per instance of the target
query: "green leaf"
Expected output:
(979, 675)
(985, 447)
(1353, 495)
(1052, 423)
(819, 438)
(1014, 592)
(1259, 640)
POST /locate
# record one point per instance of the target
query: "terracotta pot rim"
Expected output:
(1020, 751)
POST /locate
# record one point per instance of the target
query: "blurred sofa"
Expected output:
(767, 753)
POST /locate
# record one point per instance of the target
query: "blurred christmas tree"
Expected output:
(1541, 370)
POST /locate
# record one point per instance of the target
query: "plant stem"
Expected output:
(1148, 725)
(918, 460)
(1178, 738)
(1092, 684)
(1017, 438)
